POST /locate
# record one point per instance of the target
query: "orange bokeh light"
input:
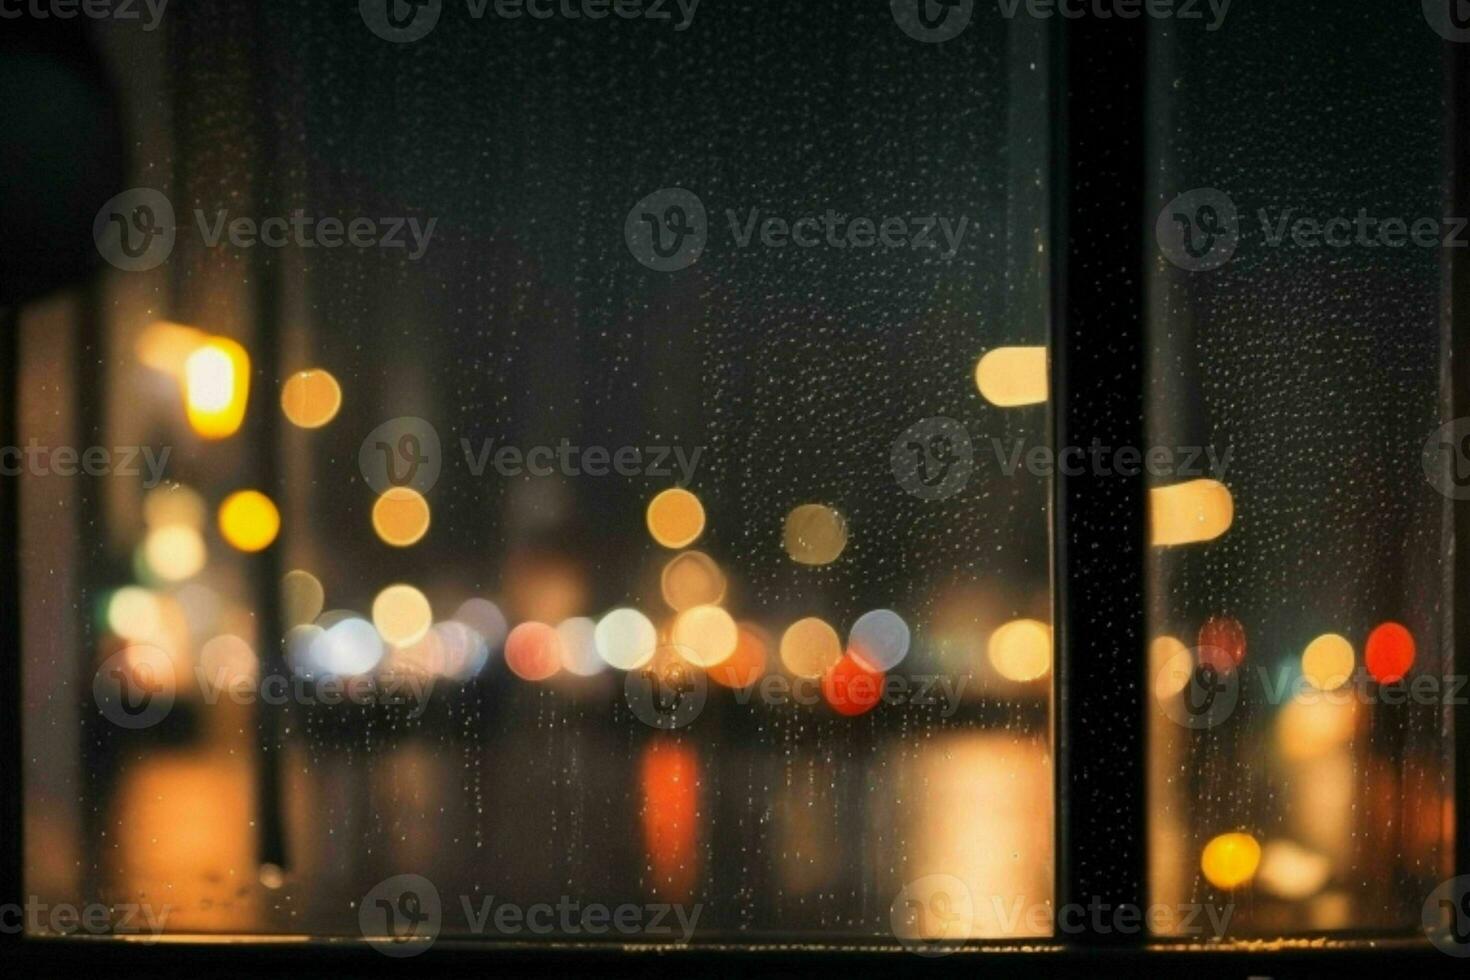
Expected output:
(850, 688)
(533, 651)
(747, 664)
(669, 776)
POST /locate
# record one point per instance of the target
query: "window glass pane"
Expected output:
(1298, 602)
(654, 408)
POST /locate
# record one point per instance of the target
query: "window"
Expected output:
(515, 482)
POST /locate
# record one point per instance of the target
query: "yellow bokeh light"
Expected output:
(1009, 377)
(704, 635)
(675, 518)
(1186, 513)
(165, 346)
(134, 614)
(1312, 725)
(401, 517)
(1171, 666)
(690, 579)
(1327, 662)
(248, 520)
(311, 398)
(174, 552)
(173, 504)
(1231, 860)
(302, 597)
(402, 615)
(217, 387)
(1021, 649)
(814, 534)
(810, 647)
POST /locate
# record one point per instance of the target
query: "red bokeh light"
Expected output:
(1390, 653)
(851, 688)
(1222, 643)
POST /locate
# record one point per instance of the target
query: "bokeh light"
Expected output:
(1021, 649)
(402, 614)
(347, 646)
(810, 647)
(691, 578)
(1310, 727)
(1009, 377)
(1222, 643)
(302, 597)
(851, 688)
(626, 639)
(248, 520)
(133, 613)
(1171, 665)
(579, 647)
(675, 518)
(814, 534)
(173, 503)
(704, 635)
(747, 664)
(533, 651)
(1327, 662)
(485, 618)
(1231, 860)
(879, 639)
(216, 387)
(1189, 512)
(174, 552)
(310, 399)
(401, 517)
(1389, 653)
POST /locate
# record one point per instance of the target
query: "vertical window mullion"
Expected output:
(1100, 545)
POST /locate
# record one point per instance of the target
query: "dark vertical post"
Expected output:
(1097, 394)
(265, 437)
(1458, 137)
(11, 855)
